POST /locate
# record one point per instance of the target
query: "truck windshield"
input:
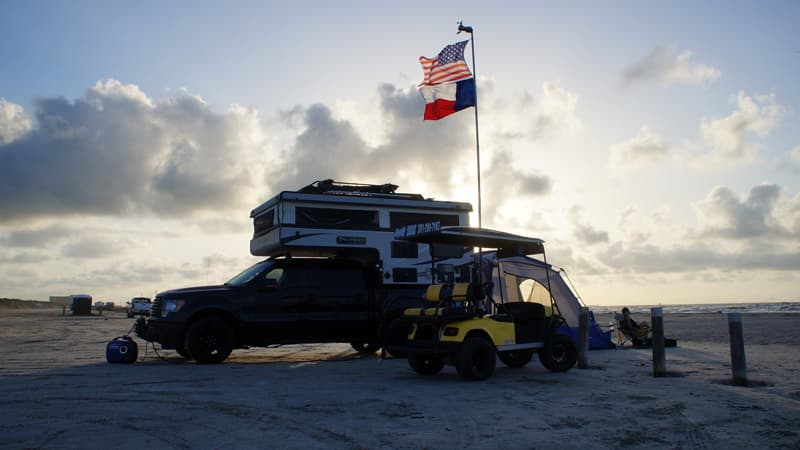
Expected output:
(249, 274)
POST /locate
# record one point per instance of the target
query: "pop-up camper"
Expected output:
(329, 218)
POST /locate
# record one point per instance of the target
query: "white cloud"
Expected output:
(663, 65)
(729, 138)
(13, 122)
(117, 152)
(644, 149)
(795, 153)
(586, 233)
(556, 112)
(723, 214)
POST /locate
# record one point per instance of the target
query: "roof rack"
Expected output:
(331, 187)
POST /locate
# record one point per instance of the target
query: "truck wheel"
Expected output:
(426, 363)
(476, 359)
(209, 340)
(516, 358)
(559, 354)
(182, 351)
(365, 347)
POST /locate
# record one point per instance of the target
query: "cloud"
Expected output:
(665, 67)
(648, 258)
(729, 137)
(36, 237)
(644, 149)
(585, 233)
(91, 247)
(13, 122)
(556, 112)
(724, 215)
(505, 184)
(325, 147)
(117, 152)
(759, 231)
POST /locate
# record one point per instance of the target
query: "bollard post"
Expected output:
(738, 363)
(583, 338)
(659, 356)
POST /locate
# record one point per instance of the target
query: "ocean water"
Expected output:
(721, 308)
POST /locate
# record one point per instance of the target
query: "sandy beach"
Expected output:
(58, 392)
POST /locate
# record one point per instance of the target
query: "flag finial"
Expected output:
(464, 28)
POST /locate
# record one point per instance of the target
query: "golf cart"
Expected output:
(462, 324)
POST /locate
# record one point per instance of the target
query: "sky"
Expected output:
(653, 146)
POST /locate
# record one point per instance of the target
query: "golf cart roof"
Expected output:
(507, 244)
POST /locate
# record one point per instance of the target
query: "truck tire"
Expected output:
(559, 353)
(209, 340)
(182, 351)
(516, 358)
(476, 359)
(365, 348)
(426, 363)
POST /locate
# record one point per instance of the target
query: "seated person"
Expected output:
(632, 328)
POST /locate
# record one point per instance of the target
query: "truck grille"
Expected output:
(158, 304)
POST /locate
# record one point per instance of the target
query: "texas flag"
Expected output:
(448, 85)
(444, 99)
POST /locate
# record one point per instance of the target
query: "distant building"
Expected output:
(65, 300)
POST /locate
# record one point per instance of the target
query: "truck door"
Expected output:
(280, 305)
(342, 305)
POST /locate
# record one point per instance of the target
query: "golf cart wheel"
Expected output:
(476, 359)
(209, 340)
(365, 347)
(559, 353)
(516, 358)
(426, 364)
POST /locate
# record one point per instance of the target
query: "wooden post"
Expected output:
(659, 356)
(738, 363)
(583, 338)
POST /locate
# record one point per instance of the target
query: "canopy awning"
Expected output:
(507, 244)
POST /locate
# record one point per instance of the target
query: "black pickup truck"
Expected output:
(278, 301)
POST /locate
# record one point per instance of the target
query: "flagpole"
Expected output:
(467, 29)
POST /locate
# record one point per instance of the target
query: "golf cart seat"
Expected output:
(447, 303)
(530, 320)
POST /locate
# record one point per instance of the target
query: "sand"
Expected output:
(58, 392)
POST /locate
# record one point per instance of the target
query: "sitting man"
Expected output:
(631, 327)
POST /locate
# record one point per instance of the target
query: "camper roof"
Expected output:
(507, 244)
(330, 191)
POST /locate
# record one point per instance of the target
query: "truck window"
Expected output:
(340, 276)
(275, 274)
(298, 276)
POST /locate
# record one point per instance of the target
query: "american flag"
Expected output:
(448, 66)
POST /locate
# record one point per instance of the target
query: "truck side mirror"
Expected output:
(270, 284)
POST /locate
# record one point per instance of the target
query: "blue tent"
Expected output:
(526, 279)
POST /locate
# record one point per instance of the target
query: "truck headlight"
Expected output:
(171, 306)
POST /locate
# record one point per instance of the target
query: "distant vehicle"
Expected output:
(99, 306)
(109, 306)
(139, 306)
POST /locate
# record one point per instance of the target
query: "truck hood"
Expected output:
(195, 290)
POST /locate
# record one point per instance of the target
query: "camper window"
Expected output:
(346, 219)
(264, 222)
